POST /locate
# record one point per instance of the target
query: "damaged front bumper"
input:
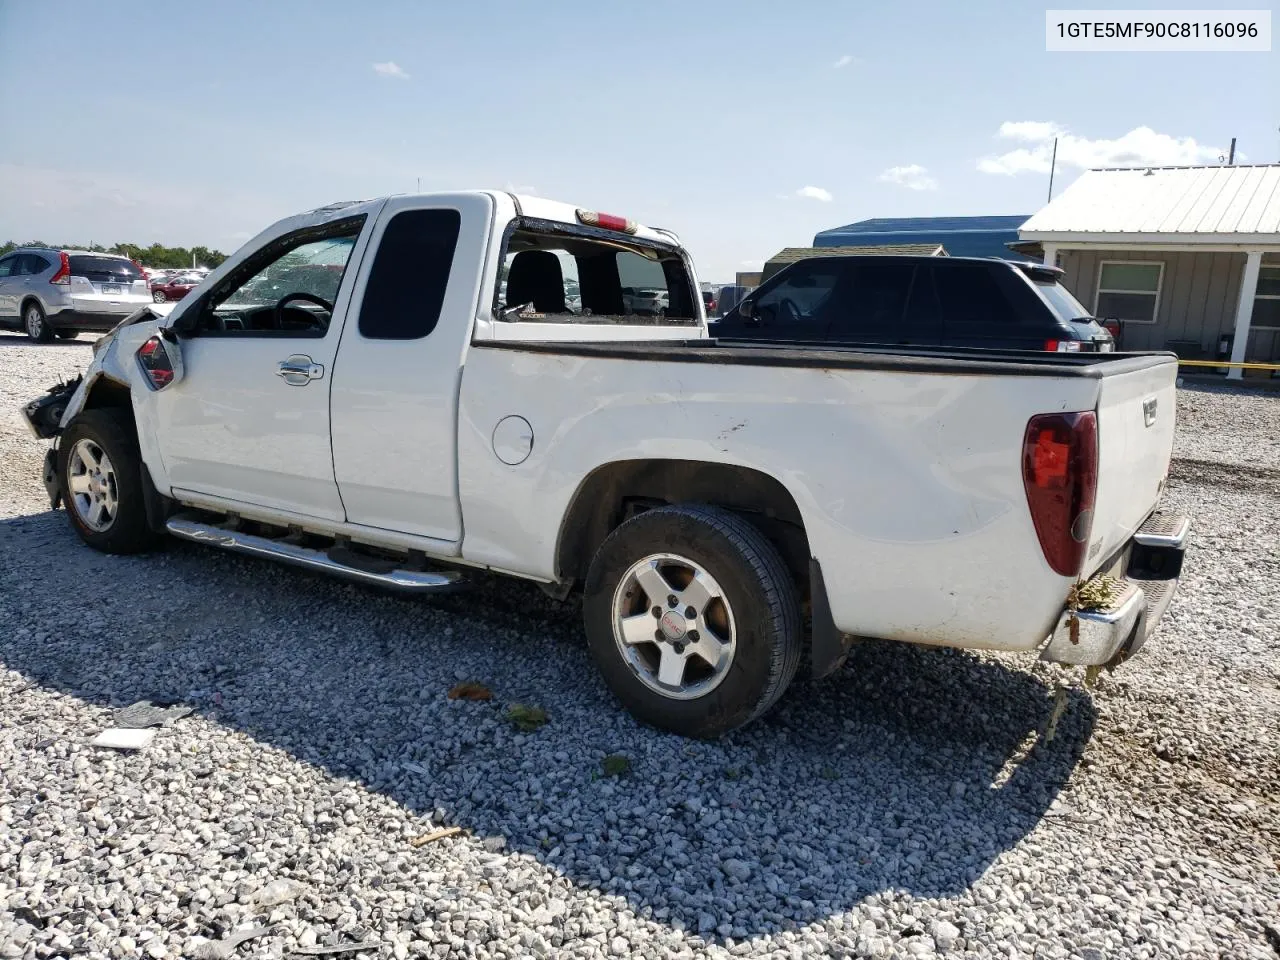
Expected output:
(43, 415)
(1109, 635)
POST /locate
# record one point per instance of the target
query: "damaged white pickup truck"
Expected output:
(399, 390)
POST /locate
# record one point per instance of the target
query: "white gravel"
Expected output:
(897, 810)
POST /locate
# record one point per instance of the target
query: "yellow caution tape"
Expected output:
(1224, 363)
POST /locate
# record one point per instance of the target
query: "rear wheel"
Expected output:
(100, 470)
(36, 323)
(693, 619)
(158, 296)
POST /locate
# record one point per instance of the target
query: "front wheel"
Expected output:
(693, 619)
(158, 296)
(100, 469)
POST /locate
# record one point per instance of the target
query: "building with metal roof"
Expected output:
(962, 236)
(789, 255)
(1187, 258)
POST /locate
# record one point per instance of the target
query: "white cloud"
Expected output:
(390, 69)
(525, 189)
(843, 62)
(1140, 147)
(815, 193)
(1033, 130)
(913, 177)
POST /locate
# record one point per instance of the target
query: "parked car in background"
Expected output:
(173, 288)
(918, 302)
(776, 502)
(729, 297)
(709, 302)
(50, 292)
(650, 303)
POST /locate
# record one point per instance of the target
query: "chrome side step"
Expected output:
(403, 581)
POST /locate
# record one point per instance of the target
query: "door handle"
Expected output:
(299, 370)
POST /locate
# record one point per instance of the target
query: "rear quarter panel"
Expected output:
(909, 484)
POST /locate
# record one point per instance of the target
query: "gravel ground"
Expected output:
(902, 808)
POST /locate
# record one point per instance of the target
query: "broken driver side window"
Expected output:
(551, 273)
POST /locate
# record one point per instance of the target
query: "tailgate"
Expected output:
(1135, 442)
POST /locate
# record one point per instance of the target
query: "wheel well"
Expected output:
(106, 392)
(617, 491)
(27, 301)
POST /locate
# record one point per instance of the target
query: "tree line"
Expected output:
(156, 255)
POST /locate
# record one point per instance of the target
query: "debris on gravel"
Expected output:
(907, 807)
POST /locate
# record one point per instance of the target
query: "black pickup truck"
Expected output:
(917, 302)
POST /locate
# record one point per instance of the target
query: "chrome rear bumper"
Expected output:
(1110, 636)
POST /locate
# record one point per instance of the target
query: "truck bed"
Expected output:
(779, 353)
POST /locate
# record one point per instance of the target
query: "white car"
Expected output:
(729, 511)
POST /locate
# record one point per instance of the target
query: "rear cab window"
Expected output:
(559, 273)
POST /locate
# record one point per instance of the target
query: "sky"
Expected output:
(743, 126)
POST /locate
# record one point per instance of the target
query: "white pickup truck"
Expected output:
(398, 390)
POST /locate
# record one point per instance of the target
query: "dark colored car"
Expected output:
(917, 302)
(709, 302)
(173, 289)
(729, 297)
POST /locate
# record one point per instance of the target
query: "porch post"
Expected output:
(1244, 311)
(1050, 254)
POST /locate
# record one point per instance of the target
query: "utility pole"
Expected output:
(1231, 154)
(1053, 163)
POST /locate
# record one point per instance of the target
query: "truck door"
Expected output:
(395, 389)
(249, 422)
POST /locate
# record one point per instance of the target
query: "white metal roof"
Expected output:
(1219, 204)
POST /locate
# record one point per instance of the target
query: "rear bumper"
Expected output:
(1109, 636)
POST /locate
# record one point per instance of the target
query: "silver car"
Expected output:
(49, 292)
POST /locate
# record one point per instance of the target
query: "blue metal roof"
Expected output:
(961, 236)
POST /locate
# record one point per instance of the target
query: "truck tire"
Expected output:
(693, 619)
(100, 469)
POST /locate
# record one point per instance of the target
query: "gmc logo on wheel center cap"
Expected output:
(673, 625)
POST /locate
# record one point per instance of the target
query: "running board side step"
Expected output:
(402, 581)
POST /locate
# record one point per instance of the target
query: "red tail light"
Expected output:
(155, 363)
(63, 276)
(1060, 474)
(1062, 346)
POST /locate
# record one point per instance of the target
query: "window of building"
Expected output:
(1266, 305)
(1129, 291)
